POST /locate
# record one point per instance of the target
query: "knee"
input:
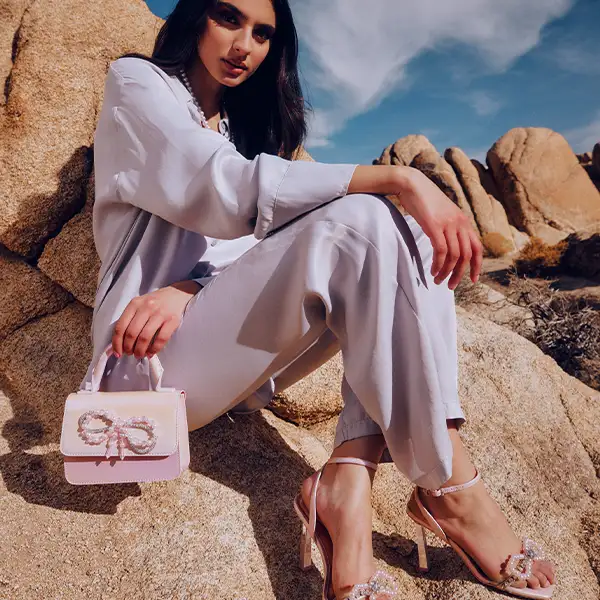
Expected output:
(370, 215)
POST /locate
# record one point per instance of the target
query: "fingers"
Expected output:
(143, 330)
(452, 255)
(121, 327)
(163, 335)
(146, 335)
(476, 255)
(134, 330)
(440, 248)
(464, 242)
(542, 579)
(454, 249)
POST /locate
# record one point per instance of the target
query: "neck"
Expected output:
(207, 90)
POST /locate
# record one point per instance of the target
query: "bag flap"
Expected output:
(158, 410)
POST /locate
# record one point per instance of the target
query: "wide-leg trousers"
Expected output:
(354, 275)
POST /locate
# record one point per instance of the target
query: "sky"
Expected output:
(461, 72)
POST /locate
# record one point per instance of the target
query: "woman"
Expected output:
(247, 270)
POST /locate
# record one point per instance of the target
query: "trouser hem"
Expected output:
(363, 427)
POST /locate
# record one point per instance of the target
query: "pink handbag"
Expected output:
(122, 437)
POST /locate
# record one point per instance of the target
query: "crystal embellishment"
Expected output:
(380, 583)
(519, 566)
(117, 431)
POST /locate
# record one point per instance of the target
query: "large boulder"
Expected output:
(404, 150)
(488, 212)
(71, 259)
(25, 294)
(544, 189)
(54, 90)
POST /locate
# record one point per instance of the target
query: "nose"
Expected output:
(242, 42)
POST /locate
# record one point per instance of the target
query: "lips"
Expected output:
(235, 65)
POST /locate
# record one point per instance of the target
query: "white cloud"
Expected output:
(576, 56)
(483, 103)
(574, 59)
(359, 50)
(583, 139)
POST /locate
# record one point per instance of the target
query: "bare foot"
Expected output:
(473, 520)
(344, 508)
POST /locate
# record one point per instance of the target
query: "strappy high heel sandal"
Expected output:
(313, 529)
(518, 566)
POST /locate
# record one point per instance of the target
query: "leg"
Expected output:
(351, 266)
(475, 521)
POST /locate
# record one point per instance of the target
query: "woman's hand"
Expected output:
(149, 321)
(455, 242)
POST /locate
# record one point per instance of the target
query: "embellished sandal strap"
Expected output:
(454, 488)
(379, 583)
(519, 566)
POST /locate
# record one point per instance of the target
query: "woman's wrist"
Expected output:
(381, 179)
(187, 285)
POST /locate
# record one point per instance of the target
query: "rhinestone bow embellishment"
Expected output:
(519, 566)
(116, 431)
(380, 583)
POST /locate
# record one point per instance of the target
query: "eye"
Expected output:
(227, 16)
(264, 35)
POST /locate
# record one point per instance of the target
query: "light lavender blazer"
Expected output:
(176, 201)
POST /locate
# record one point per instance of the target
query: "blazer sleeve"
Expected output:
(194, 177)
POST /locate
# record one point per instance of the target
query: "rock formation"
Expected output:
(488, 212)
(543, 187)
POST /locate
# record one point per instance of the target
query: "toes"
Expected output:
(547, 569)
(534, 582)
(542, 579)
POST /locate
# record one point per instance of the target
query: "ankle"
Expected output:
(462, 503)
(343, 482)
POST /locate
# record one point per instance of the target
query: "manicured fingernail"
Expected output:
(117, 355)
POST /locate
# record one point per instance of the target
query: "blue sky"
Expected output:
(461, 72)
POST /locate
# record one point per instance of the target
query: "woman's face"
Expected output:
(239, 31)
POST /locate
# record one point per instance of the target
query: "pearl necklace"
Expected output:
(223, 125)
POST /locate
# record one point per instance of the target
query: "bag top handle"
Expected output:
(155, 372)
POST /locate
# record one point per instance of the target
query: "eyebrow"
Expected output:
(240, 14)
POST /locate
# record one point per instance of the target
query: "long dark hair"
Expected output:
(267, 111)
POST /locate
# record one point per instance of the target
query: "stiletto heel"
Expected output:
(518, 566)
(313, 529)
(421, 540)
(305, 549)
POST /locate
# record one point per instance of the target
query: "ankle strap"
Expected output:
(356, 461)
(454, 488)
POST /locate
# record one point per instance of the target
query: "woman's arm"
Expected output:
(379, 179)
(193, 177)
(455, 243)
